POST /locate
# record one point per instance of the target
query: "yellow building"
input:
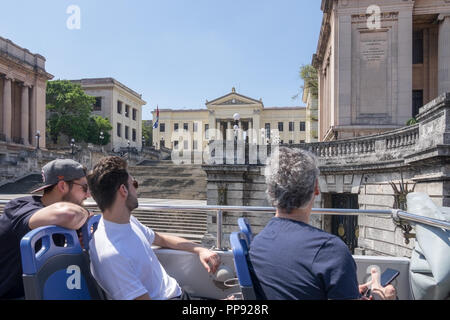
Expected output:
(193, 129)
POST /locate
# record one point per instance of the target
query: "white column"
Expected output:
(444, 54)
(33, 120)
(25, 115)
(404, 78)
(7, 108)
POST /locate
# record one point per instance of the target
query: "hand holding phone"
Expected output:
(387, 277)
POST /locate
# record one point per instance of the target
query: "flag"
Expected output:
(155, 125)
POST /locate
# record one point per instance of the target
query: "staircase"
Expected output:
(166, 180)
(22, 186)
(189, 225)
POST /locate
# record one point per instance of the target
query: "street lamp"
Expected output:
(128, 144)
(143, 142)
(38, 135)
(101, 137)
(72, 145)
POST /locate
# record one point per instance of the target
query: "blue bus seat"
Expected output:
(245, 227)
(239, 246)
(56, 272)
(88, 230)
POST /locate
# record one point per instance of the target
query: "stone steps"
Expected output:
(166, 180)
(189, 225)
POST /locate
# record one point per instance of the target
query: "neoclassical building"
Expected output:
(379, 62)
(121, 105)
(23, 82)
(193, 129)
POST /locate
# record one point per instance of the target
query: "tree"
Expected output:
(70, 109)
(98, 124)
(310, 80)
(147, 133)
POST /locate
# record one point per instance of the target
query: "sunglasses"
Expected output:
(84, 186)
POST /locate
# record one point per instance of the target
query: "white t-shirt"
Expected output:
(124, 264)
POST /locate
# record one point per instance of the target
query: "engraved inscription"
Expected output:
(373, 50)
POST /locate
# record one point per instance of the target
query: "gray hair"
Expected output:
(291, 175)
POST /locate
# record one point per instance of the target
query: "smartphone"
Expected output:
(388, 276)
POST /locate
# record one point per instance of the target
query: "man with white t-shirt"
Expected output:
(122, 260)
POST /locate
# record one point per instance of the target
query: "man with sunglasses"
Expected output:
(122, 259)
(64, 190)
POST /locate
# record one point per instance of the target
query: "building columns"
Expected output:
(444, 54)
(25, 114)
(7, 109)
(33, 119)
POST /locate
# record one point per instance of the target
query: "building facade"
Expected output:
(23, 81)
(312, 113)
(379, 62)
(123, 108)
(193, 129)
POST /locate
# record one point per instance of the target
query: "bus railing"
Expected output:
(400, 217)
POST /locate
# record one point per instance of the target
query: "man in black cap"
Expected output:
(65, 188)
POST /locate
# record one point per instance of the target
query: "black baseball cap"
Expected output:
(60, 169)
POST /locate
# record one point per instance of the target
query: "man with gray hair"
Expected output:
(292, 259)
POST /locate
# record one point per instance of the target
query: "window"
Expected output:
(280, 126)
(302, 126)
(162, 127)
(119, 106)
(418, 47)
(134, 114)
(417, 100)
(119, 129)
(98, 104)
(195, 145)
(206, 131)
(185, 126)
(126, 132)
(281, 142)
(133, 134)
(291, 126)
(195, 127)
(127, 111)
(291, 142)
(175, 127)
(185, 145)
(267, 127)
(175, 144)
(302, 141)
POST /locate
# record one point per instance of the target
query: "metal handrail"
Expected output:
(397, 215)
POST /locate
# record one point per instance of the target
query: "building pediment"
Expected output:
(232, 99)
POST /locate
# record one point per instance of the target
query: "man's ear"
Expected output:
(62, 186)
(123, 191)
(316, 188)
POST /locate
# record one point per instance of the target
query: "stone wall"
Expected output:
(17, 163)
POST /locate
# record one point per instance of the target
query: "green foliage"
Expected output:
(147, 133)
(411, 122)
(310, 79)
(70, 109)
(98, 124)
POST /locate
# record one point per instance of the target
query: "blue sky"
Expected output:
(176, 53)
